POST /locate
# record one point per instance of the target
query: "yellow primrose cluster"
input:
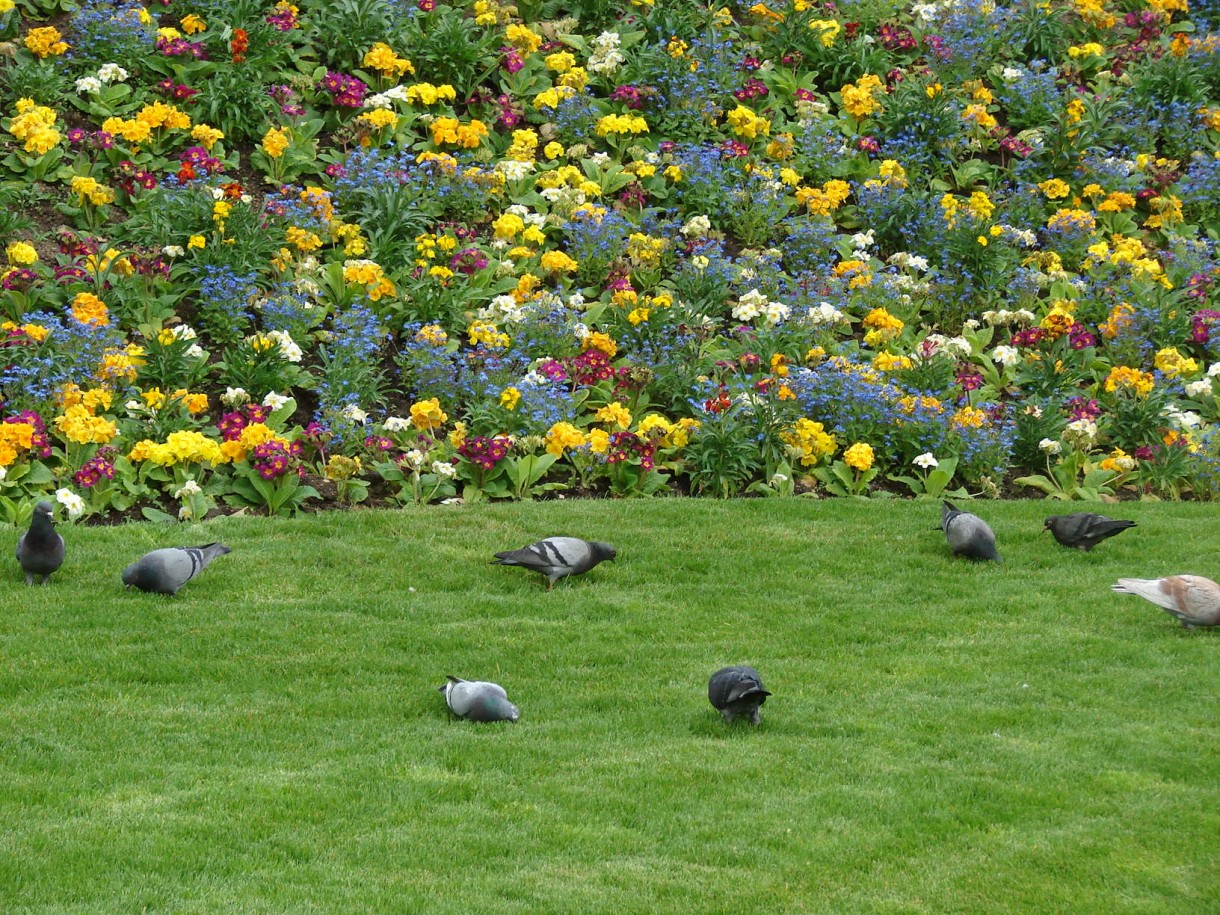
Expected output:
(454, 133)
(488, 334)
(858, 98)
(614, 414)
(612, 124)
(1124, 378)
(14, 439)
(78, 423)
(89, 309)
(34, 125)
(882, 327)
(1172, 363)
(812, 439)
(182, 447)
(859, 457)
(35, 332)
(276, 141)
(659, 430)
(155, 398)
(382, 58)
(45, 42)
(598, 340)
(149, 118)
(745, 123)
(428, 94)
(562, 436)
(824, 200)
(427, 415)
(89, 189)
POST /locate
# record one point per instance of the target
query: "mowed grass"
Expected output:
(943, 736)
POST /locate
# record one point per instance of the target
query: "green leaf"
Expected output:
(157, 516)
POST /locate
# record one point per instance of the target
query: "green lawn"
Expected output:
(943, 736)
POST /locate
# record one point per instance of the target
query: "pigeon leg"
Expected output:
(550, 584)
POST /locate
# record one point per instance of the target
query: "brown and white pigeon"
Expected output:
(166, 570)
(1193, 599)
(40, 550)
(968, 534)
(1084, 530)
(558, 557)
(737, 692)
(478, 700)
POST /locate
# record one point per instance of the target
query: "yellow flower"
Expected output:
(1054, 189)
(21, 252)
(381, 57)
(859, 456)
(603, 342)
(858, 96)
(599, 441)
(1123, 377)
(275, 141)
(812, 439)
(562, 436)
(79, 425)
(192, 24)
(45, 42)
(196, 241)
(206, 136)
(89, 309)
(509, 398)
(614, 413)
(428, 415)
(558, 262)
(1172, 363)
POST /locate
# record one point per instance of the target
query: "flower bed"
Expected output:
(262, 253)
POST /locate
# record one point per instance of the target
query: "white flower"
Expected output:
(173, 251)
(750, 306)
(133, 406)
(1200, 388)
(513, 169)
(1183, 419)
(189, 488)
(1050, 446)
(1007, 356)
(862, 240)
(776, 312)
(824, 313)
(1012, 74)
(927, 461)
(697, 227)
(1214, 369)
(452, 500)
(380, 100)
(89, 84)
(195, 351)
(777, 478)
(288, 347)
(443, 469)
(396, 424)
(3, 472)
(354, 413)
(71, 501)
(111, 73)
(274, 400)
(415, 458)
(235, 397)
(186, 514)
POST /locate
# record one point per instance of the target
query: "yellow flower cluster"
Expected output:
(363, 272)
(558, 262)
(89, 309)
(562, 436)
(645, 250)
(656, 428)
(1124, 378)
(120, 364)
(1055, 188)
(253, 434)
(745, 123)
(192, 24)
(378, 118)
(21, 253)
(90, 189)
(510, 397)
(194, 403)
(859, 456)
(882, 327)
(968, 417)
(598, 340)
(34, 125)
(979, 116)
(812, 439)
(524, 146)
(824, 200)
(206, 136)
(14, 438)
(432, 334)
(612, 124)
(1172, 363)
(828, 30)
(614, 414)
(45, 42)
(428, 94)
(488, 334)
(183, 447)
(1071, 220)
(276, 140)
(523, 38)
(382, 58)
(550, 98)
(888, 362)
(858, 96)
(35, 332)
(78, 424)
(1122, 317)
(453, 132)
(1119, 462)
(427, 415)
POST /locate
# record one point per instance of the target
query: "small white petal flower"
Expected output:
(927, 461)
(71, 501)
(443, 469)
(274, 400)
(1050, 446)
(396, 424)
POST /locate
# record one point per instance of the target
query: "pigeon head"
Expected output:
(603, 551)
(131, 573)
(216, 548)
(46, 511)
(503, 709)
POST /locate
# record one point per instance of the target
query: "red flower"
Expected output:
(239, 45)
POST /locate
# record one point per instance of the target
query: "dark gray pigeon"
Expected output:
(557, 557)
(40, 550)
(737, 692)
(1193, 599)
(165, 571)
(1084, 530)
(968, 534)
(478, 700)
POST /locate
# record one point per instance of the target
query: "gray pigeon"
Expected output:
(1084, 530)
(737, 692)
(1193, 599)
(968, 534)
(557, 557)
(40, 550)
(477, 700)
(165, 571)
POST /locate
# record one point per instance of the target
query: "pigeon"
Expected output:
(40, 550)
(1084, 530)
(1193, 599)
(737, 692)
(968, 534)
(557, 557)
(477, 700)
(165, 571)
